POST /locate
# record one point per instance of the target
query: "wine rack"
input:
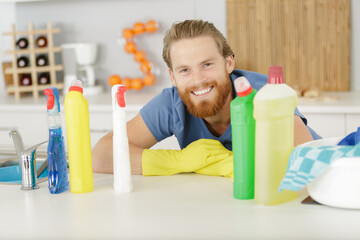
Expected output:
(32, 50)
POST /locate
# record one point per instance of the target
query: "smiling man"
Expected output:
(196, 109)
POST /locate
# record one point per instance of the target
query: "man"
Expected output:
(196, 109)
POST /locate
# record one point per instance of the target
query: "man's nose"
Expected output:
(198, 77)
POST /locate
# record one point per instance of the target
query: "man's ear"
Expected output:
(230, 64)
(172, 78)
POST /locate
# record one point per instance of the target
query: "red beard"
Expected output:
(207, 108)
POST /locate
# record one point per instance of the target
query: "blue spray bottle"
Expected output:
(57, 166)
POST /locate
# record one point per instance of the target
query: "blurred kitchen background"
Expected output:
(322, 35)
(102, 22)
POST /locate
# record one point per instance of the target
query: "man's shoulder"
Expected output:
(168, 91)
(170, 95)
(168, 99)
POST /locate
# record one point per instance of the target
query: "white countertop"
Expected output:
(331, 102)
(184, 206)
(328, 102)
(100, 103)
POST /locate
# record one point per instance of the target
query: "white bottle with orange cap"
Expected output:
(78, 139)
(121, 156)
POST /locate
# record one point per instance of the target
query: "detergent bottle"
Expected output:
(121, 155)
(57, 166)
(78, 139)
(274, 107)
(243, 139)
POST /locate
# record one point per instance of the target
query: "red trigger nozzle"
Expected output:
(120, 96)
(50, 98)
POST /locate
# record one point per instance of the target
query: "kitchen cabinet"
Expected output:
(29, 117)
(33, 126)
(352, 122)
(327, 125)
(333, 125)
(334, 114)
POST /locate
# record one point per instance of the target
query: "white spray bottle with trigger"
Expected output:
(121, 155)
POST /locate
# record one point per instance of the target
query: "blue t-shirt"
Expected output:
(166, 115)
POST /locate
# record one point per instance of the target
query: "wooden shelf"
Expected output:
(38, 69)
(11, 88)
(34, 50)
(34, 32)
(33, 69)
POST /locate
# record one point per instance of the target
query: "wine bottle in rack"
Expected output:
(22, 43)
(23, 61)
(41, 41)
(44, 78)
(25, 80)
(41, 60)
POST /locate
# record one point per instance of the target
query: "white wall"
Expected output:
(7, 16)
(102, 21)
(355, 45)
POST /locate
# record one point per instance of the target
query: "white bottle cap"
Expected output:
(242, 86)
(76, 85)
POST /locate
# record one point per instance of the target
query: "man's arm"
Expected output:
(139, 137)
(301, 132)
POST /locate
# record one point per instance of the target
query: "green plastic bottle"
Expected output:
(243, 139)
(274, 107)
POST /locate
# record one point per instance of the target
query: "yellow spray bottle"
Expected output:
(78, 139)
(274, 107)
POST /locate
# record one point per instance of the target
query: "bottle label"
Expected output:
(54, 121)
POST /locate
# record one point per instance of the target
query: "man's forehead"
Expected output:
(193, 41)
(198, 49)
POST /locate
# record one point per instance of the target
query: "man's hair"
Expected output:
(191, 29)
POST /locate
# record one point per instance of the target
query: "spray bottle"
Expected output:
(274, 107)
(243, 139)
(57, 165)
(121, 156)
(78, 139)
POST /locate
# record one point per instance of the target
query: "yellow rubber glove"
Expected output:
(204, 156)
(224, 168)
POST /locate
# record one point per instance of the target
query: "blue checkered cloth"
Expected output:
(306, 163)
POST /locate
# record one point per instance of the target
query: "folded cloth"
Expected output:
(351, 139)
(306, 163)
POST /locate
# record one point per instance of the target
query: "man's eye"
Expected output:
(208, 64)
(184, 70)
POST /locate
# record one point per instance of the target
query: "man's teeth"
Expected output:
(202, 91)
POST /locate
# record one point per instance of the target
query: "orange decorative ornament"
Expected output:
(139, 56)
(149, 79)
(127, 82)
(128, 34)
(139, 28)
(137, 83)
(145, 66)
(130, 47)
(151, 26)
(114, 79)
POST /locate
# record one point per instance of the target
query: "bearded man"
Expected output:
(196, 109)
